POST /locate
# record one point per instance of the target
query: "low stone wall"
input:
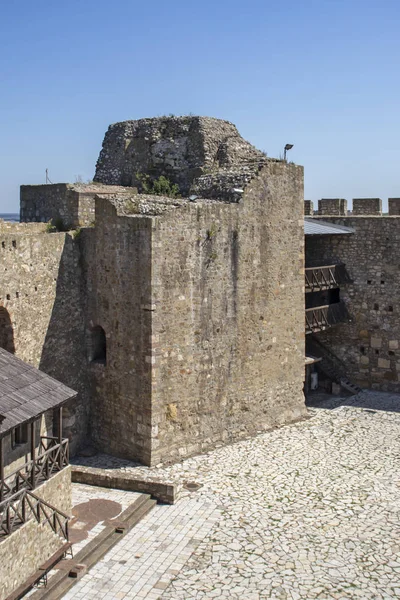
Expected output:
(27, 228)
(167, 492)
(22, 553)
(72, 204)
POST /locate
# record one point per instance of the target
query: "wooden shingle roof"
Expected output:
(26, 393)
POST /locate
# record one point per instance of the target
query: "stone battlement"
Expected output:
(71, 203)
(337, 207)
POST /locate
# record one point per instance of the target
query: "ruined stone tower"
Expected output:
(180, 148)
(187, 312)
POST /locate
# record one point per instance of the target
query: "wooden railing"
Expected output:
(52, 457)
(22, 506)
(323, 317)
(325, 277)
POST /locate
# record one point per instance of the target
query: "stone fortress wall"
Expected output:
(117, 259)
(42, 311)
(196, 304)
(190, 374)
(228, 317)
(369, 344)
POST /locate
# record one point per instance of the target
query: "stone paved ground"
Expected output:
(91, 506)
(306, 511)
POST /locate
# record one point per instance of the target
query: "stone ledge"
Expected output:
(166, 492)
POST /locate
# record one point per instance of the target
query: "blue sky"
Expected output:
(321, 74)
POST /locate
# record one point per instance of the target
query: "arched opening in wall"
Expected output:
(97, 345)
(6, 331)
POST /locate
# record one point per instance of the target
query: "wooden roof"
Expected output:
(26, 393)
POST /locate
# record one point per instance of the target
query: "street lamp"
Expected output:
(287, 147)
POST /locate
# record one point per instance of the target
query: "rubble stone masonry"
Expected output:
(228, 317)
(369, 343)
(41, 310)
(32, 544)
(180, 321)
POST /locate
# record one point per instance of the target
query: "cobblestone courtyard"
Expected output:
(306, 511)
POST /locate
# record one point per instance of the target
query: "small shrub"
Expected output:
(56, 224)
(132, 207)
(211, 232)
(158, 187)
(50, 228)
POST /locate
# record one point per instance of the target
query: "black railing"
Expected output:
(22, 506)
(52, 458)
(323, 317)
(325, 277)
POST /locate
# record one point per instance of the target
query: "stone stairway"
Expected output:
(332, 366)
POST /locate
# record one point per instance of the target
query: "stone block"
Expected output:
(78, 571)
(393, 344)
(367, 206)
(394, 206)
(376, 342)
(308, 207)
(332, 206)
(383, 363)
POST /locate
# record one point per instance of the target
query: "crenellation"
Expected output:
(367, 206)
(394, 206)
(308, 208)
(332, 206)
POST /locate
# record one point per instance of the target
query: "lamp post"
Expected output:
(287, 147)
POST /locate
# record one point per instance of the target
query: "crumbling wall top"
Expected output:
(179, 148)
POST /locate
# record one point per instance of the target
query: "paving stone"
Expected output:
(307, 511)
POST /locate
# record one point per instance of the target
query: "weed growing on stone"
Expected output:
(159, 187)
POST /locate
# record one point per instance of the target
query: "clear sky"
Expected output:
(321, 74)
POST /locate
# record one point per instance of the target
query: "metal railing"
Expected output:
(22, 506)
(52, 458)
(323, 317)
(325, 277)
